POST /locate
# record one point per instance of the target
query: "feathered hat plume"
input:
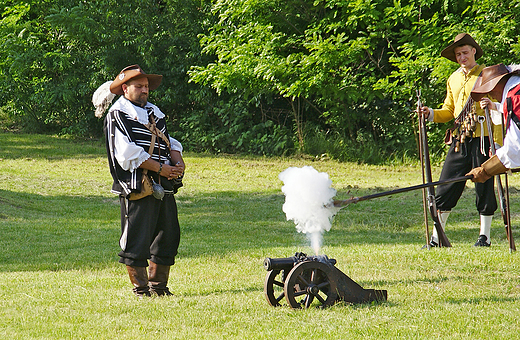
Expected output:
(102, 98)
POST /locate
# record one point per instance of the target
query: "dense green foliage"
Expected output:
(56, 53)
(335, 77)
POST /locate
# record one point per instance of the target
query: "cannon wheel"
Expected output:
(310, 280)
(273, 287)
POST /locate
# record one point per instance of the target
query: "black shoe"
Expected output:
(161, 291)
(482, 242)
(432, 244)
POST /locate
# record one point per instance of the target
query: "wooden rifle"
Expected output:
(425, 163)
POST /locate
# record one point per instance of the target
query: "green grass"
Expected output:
(59, 276)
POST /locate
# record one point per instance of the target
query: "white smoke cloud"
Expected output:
(307, 195)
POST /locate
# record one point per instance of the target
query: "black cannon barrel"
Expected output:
(283, 263)
(286, 263)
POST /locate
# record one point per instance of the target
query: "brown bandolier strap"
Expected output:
(467, 107)
(152, 143)
(155, 131)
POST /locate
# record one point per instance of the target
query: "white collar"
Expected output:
(135, 112)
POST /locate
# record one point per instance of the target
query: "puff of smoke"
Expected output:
(307, 195)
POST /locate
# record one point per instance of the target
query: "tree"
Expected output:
(56, 53)
(348, 68)
(335, 77)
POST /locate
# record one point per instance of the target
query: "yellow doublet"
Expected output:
(459, 88)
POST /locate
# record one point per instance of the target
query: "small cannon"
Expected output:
(301, 279)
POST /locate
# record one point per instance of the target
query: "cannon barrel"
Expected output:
(282, 263)
(287, 263)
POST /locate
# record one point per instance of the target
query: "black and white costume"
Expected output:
(149, 227)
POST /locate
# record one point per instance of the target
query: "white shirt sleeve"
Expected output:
(431, 115)
(128, 154)
(509, 154)
(496, 116)
(176, 145)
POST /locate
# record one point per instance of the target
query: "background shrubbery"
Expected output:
(270, 77)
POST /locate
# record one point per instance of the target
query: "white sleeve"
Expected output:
(431, 115)
(176, 145)
(500, 107)
(128, 154)
(509, 154)
(496, 116)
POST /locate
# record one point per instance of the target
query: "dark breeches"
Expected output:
(149, 231)
(458, 164)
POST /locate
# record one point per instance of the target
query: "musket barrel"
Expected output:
(341, 203)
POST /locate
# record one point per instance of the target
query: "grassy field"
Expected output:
(59, 228)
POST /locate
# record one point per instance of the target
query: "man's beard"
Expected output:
(142, 100)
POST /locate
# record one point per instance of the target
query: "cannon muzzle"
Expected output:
(280, 263)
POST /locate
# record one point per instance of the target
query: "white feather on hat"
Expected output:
(102, 98)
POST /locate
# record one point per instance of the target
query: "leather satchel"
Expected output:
(146, 182)
(146, 188)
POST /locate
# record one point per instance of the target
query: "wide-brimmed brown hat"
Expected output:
(488, 80)
(134, 72)
(461, 40)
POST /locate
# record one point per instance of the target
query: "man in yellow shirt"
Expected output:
(467, 150)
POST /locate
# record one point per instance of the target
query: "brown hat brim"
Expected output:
(134, 72)
(461, 40)
(488, 80)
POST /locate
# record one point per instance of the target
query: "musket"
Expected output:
(503, 195)
(424, 192)
(343, 203)
(443, 239)
(509, 230)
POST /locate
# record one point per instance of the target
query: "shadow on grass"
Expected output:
(35, 146)
(70, 232)
(213, 290)
(480, 300)
(56, 232)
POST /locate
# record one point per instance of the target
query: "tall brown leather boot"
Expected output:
(139, 278)
(158, 279)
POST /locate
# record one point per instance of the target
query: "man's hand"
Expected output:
(425, 111)
(479, 175)
(178, 165)
(487, 102)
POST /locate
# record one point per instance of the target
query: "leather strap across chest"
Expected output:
(156, 132)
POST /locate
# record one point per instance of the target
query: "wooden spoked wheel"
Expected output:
(273, 287)
(310, 282)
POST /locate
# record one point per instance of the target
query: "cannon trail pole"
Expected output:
(421, 156)
(344, 203)
(443, 239)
